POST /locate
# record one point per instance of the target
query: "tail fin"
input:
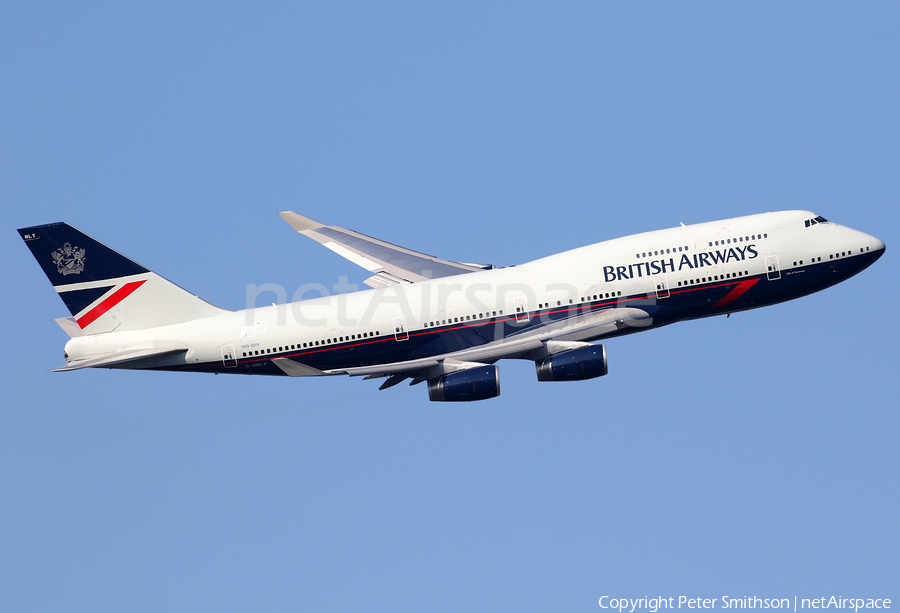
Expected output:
(104, 290)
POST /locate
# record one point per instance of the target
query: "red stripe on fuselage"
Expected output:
(117, 296)
(736, 293)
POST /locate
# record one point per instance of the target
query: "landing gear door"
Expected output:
(229, 359)
(401, 333)
(662, 286)
(773, 272)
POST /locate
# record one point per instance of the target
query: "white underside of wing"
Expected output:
(529, 345)
(353, 256)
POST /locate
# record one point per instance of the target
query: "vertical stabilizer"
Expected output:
(104, 290)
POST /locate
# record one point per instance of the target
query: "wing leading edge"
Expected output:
(391, 264)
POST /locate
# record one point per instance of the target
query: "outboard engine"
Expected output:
(477, 383)
(573, 365)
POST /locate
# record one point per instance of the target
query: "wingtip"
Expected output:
(299, 222)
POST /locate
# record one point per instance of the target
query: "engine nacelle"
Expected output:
(479, 383)
(573, 365)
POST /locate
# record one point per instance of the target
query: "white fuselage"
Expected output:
(644, 268)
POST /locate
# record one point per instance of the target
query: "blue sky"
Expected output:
(751, 455)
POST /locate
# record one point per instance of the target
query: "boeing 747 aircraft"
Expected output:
(443, 322)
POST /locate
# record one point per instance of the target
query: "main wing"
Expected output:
(391, 264)
(532, 344)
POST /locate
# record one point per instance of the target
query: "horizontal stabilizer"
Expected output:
(70, 326)
(120, 357)
(392, 264)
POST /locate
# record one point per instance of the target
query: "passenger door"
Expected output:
(229, 359)
(401, 333)
(773, 271)
(662, 286)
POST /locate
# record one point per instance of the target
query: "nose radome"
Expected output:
(876, 244)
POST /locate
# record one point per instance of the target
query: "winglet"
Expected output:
(299, 222)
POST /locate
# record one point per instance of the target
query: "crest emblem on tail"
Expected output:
(69, 260)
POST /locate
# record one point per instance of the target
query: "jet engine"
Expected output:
(477, 383)
(573, 365)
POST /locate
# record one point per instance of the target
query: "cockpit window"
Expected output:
(818, 219)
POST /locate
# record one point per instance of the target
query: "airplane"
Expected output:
(441, 322)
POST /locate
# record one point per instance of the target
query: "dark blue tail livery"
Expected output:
(70, 256)
(104, 290)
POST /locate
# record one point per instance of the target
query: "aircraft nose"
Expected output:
(876, 245)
